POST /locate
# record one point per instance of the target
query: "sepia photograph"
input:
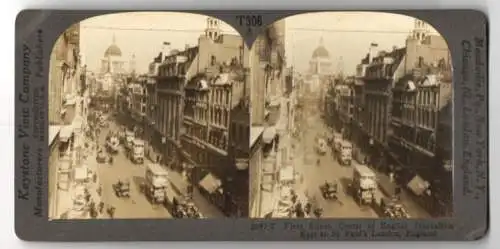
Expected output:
(149, 119)
(351, 117)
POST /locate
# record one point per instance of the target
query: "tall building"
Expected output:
(320, 66)
(405, 96)
(320, 63)
(268, 116)
(112, 61)
(170, 84)
(421, 136)
(64, 78)
(65, 91)
(196, 90)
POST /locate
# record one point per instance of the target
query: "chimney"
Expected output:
(165, 50)
(186, 47)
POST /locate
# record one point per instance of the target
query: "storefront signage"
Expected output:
(242, 164)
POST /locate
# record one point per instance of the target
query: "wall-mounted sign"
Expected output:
(242, 164)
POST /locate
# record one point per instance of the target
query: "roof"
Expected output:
(397, 56)
(157, 169)
(321, 51)
(113, 50)
(364, 170)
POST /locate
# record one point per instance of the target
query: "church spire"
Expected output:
(114, 39)
(321, 41)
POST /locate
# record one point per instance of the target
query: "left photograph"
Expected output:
(148, 119)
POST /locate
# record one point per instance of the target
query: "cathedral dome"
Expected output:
(321, 52)
(113, 50)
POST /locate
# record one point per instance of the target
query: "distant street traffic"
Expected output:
(305, 162)
(122, 168)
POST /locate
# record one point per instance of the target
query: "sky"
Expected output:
(346, 35)
(140, 33)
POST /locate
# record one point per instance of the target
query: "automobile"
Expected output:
(101, 157)
(321, 146)
(122, 189)
(393, 209)
(329, 190)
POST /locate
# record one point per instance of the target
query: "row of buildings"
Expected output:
(198, 112)
(192, 109)
(67, 107)
(397, 111)
(272, 117)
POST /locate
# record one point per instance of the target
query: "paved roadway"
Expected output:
(123, 168)
(135, 207)
(305, 162)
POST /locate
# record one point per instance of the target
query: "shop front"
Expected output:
(66, 140)
(211, 188)
(270, 139)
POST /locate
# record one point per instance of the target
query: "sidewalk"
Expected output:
(65, 202)
(413, 208)
(208, 209)
(267, 196)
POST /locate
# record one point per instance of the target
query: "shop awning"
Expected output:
(242, 163)
(255, 132)
(269, 134)
(70, 100)
(81, 174)
(418, 185)
(53, 132)
(65, 165)
(287, 173)
(65, 133)
(210, 183)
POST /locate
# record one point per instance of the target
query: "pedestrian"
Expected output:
(99, 190)
(101, 207)
(93, 212)
(94, 177)
(111, 212)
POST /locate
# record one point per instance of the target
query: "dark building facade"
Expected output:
(421, 135)
(170, 84)
(378, 81)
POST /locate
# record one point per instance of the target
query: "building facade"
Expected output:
(170, 94)
(381, 72)
(269, 117)
(64, 76)
(191, 99)
(152, 134)
(400, 97)
(344, 93)
(112, 61)
(138, 100)
(420, 102)
(66, 91)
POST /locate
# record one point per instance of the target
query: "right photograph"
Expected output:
(351, 118)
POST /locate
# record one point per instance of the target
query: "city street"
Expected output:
(123, 168)
(305, 162)
(137, 206)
